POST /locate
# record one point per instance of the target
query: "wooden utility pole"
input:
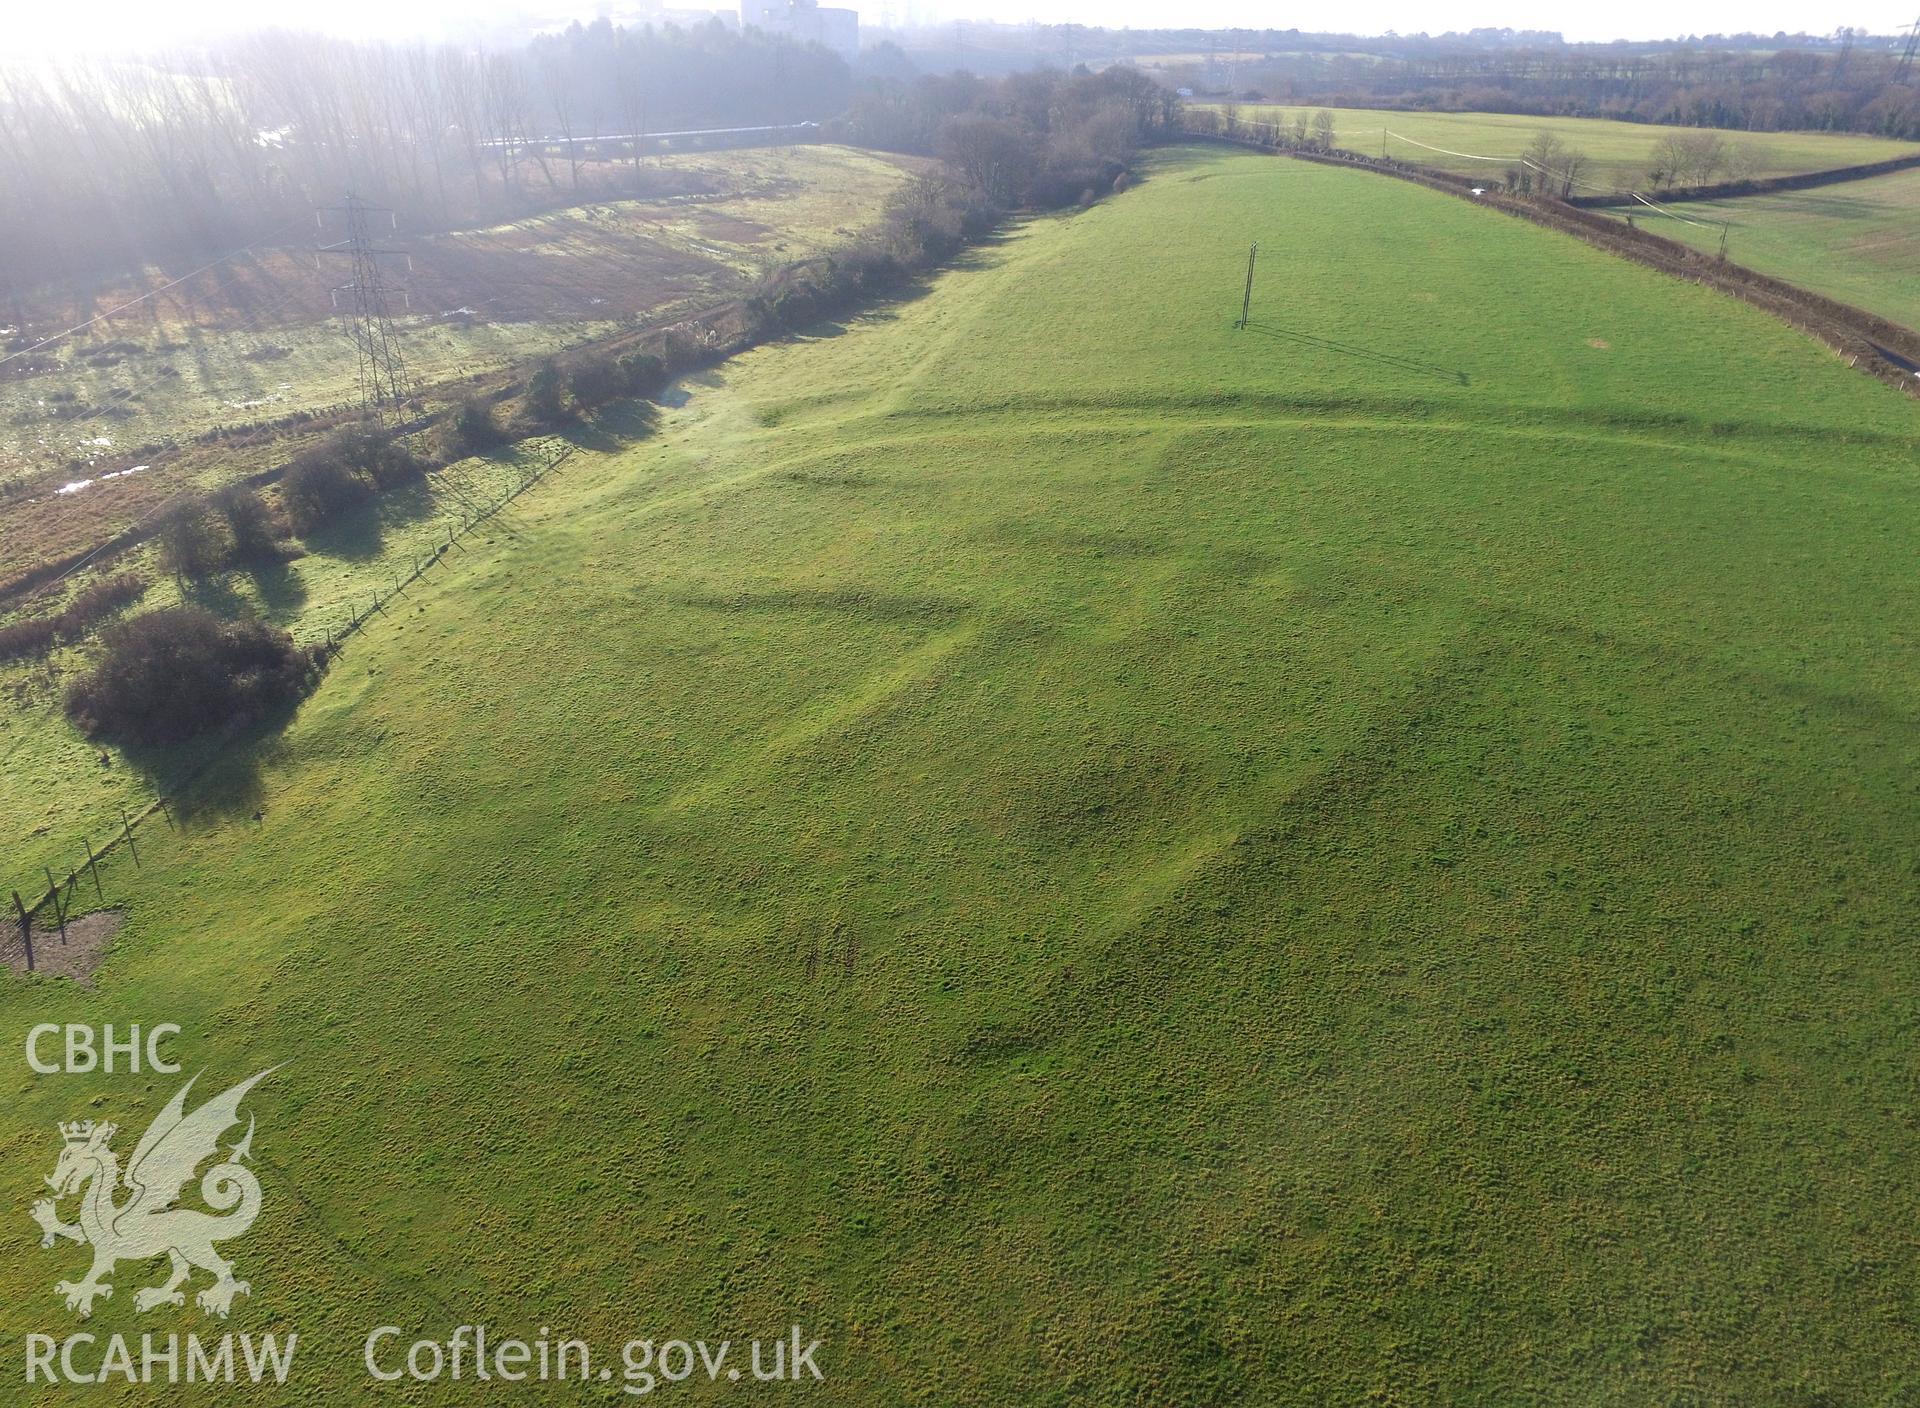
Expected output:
(1725, 230)
(1246, 299)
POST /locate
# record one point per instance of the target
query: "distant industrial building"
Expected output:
(659, 12)
(806, 21)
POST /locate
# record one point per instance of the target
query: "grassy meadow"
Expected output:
(1090, 857)
(1620, 152)
(1858, 241)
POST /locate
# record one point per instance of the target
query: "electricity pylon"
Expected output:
(1904, 68)
(383, 372)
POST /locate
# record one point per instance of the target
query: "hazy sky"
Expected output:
(38, 25)
(1632, 19)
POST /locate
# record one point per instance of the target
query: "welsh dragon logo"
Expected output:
(145, 1224)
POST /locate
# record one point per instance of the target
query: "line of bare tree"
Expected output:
(1783, 90)
(1044, 138)
(110, 165)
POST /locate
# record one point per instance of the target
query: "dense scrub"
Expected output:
(35, 635)
(171, 674)
(343, 471)
(1042, 139)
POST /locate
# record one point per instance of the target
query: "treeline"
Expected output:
(1790, 90)
(1040, 139)
(110, 165)
(1548, 167)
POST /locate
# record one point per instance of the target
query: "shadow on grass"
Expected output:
(280, 592)
(360, 533)
(1364, 354)
(215, 594)
(617, 426)
(280, 589)
(219, 776)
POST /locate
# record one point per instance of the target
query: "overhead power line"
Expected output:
(150, 293)
(1671, 215)
(1467, 156)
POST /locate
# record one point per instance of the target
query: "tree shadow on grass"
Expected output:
(680, 390)
(616, 426)
(1364, 354)
(215, 594)
(359, 534)
(280, 589)
(218, 776)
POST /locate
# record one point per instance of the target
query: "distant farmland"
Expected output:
(1620, 151)
(1093, 857)
(256, 338)
(1858, 241)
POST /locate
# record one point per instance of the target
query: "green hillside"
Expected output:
(1090, 857)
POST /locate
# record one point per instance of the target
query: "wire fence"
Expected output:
(62, 892)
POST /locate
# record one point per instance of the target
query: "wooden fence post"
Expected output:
(127, 832)
(93, 864)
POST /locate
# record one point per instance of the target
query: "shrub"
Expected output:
(388, 462)
(251, 525)
(642, 373)
(194, 539)
(97, 600)
(33, 636)
(474, 427)
(547, 394)
(595, 381)
(318, 487)
(375, 452)
(171, 674)
(38, 634)
(682, 350)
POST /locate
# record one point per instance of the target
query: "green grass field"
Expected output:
(1858, 241)
(1620, 151)
(1090, 857)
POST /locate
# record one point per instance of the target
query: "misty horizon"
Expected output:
(77, 32)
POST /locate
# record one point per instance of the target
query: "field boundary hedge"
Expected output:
(1867, 342)
(1761, 186)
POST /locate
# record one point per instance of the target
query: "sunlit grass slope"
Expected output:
(1093, 858)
